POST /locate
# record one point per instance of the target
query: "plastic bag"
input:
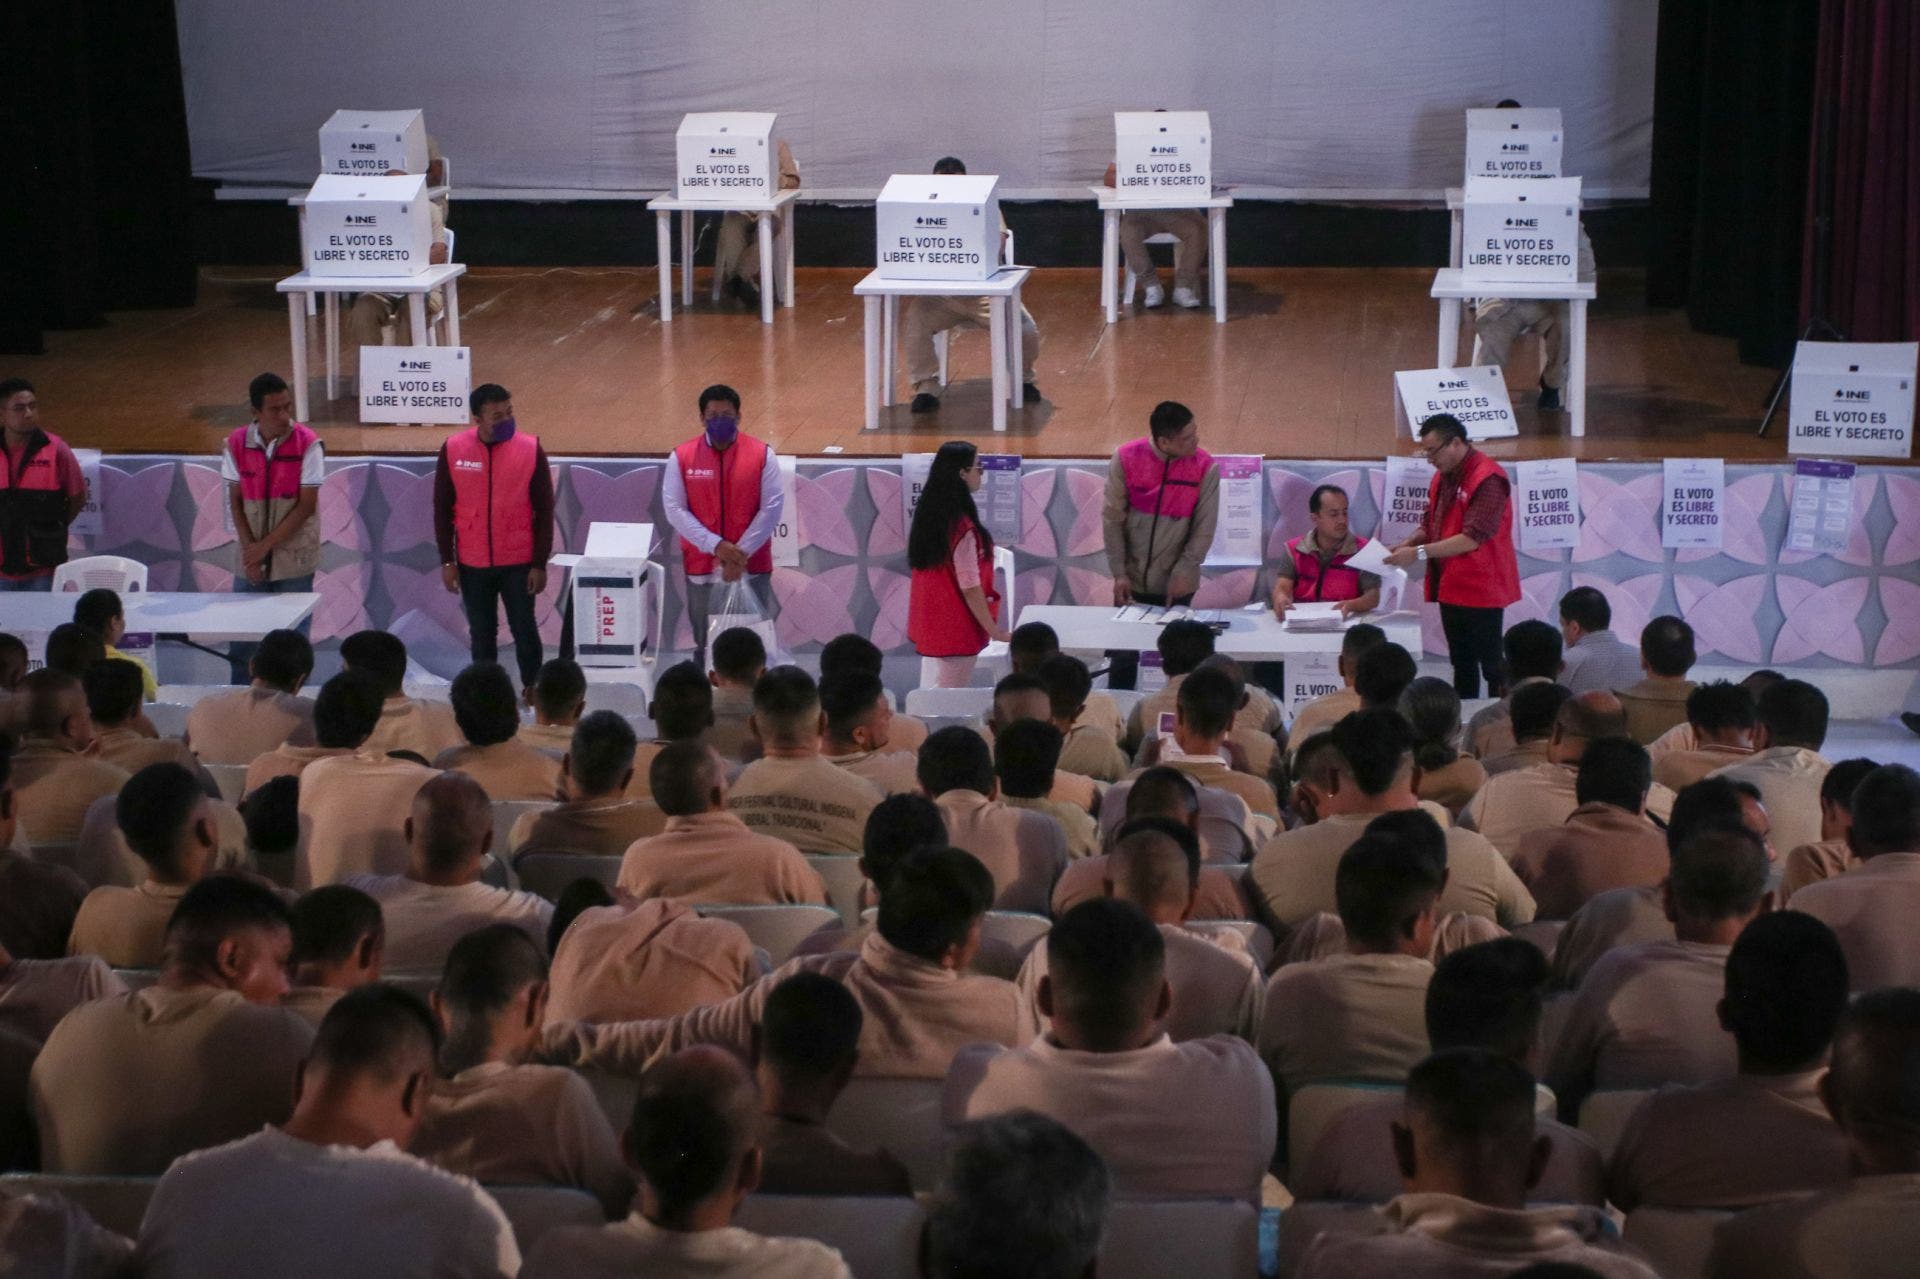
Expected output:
(737, 604)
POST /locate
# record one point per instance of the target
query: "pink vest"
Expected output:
(492, 498)
(1158, 487)
(1339, 582)
(723, 493)
(269, 490)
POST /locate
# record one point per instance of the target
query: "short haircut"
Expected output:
(1488, 995)
(559, 687)
(114, 689)
(1106, 960)
(1360, 637)
(1068, 684)
(1876, 1065)
(98, 609)
(1417, 829)
(271, 812)
(1169, 417)
(1533, 650)
(263, 385)
(847, 698)
(347, 709)
(897, 825)
(1183, 645)
(1614, 770)
(452, 818)
(484, 394)
(682, 778)
(1587, 608)
(215, 909)
(153, 809)
(46, 699)
(576, 899)
(1719, 706)
(1786, 988)
(1032, 644)
(330, 922)
(14, 646)
(1314, 498)
(682, 703)
(1712, 803)
(1445, 425)
(949, 166)
(1023, 1198)
(1375, 747)
(1591, 716)
(1382, 887)
(484, 705)
(1162, 791)
(283, 659)
(600, 752)
(380, 655)
(1719, 875)
(1886, 811)
(739, 654)
(1532, 710)
(1155, 859)
(1795, 714)
(850, 652)
(1315, 760)
(719, 391)
(1666, 645)
(1016, 683)
(1472, 1098)
(810, 1027)
(954, 758)
(379, 1031)
(10, 387)
(1025, 755)
(1208, 700)
(1382, 673)
(1843, 779)
(786, 705)
(485, 971)
(933, 899)
(73, 649)
(691, 1124)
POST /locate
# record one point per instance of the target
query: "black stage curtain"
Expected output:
(1732, 116)
(99, 211)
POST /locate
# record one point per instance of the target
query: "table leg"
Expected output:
(1110, 263)
(1217, 257)
(663, 246)
(1577, 366)
(786, 250)
(1449, 332)
(1454, 227)
(333, 345)
(417, 317)
(873, 310)
(453, 311)
(1017, 354)
(686, 258)
(765, 232)
(890, 312)
(997, 342)
(297, 334)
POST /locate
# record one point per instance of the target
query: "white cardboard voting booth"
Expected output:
(367, 226)
(363, 142)
(1521, 230)
(938, 227)
(609, 587)
(1853, 398)
(725, 155)
(1477, 395)
(1157, 154)
(1514, 142)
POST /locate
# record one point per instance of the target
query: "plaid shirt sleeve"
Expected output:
(1487, 510)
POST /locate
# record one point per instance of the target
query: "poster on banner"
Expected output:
(1821, 519)
(1310, 675)
(1237, 535)
(914, 468)
(89, 523)
(1853, 398)
(1476, 395)
(1549, 504)
(786, 534)
(1404, 501)
(1692, 503)
(998, 500)
(415, 384)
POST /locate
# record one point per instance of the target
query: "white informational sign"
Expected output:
(1548, 500)
(1238, 537)
(1514, 142)
(1477, 395)
(1821, 520)
(998, 500)
(725, 155)
(415, 384)
(1311, 675)
(1157, 154)
(1853, 398)
(89, 522)
(1520, 231)
(1692, 505)
(937, 227)
(1403, 503)
(786, 534)
(358, 143)
(367, 226)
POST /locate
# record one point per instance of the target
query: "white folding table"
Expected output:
(1256, 636)
(413, 287)
(1111, 207)
(189, 617)
(664, 207)
(1005, 341)
(1450, 290)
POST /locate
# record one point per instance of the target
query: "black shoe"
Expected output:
(925, 402)
(1030, 394)
(1549, 401)
(746, 292)
(1911, 720)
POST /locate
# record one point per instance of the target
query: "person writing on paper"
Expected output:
(723, 497)
(736, 254)
(952, 608)
(1314, 568)
(1465, 545)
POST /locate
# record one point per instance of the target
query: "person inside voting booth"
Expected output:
(374, 316)
(1188, 227)
(927, 316)
(736, 254)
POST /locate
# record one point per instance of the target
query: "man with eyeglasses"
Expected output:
(1465, 544)
(1163, 499)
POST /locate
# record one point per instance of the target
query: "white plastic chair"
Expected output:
(232, 779)
(1018, 929)
(949, 703)
(506, 812)
(168, 719)
(117, 1203)
(901, 1114)
(1676, 1240)
(1603, 1115)
(844, 881)
(1132, 280)
(1150, 1239)
(96, 572)
(778, 930)
(878, 1237)
(997, 657)
(191, 694)
(1259, 941)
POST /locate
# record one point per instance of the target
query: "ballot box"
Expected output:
(1162, 154)
(1513, 142)
(363, 142)
(367, 226)
(1853, 398)
(938, 227)
(610, 592)
(1520, 230)
(726, 156)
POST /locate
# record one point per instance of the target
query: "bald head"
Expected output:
(1873, 1089)
(687, 779)
(1582, 719)
(1156, 866)
(450, 829)
(691, 1138)
(51, 703)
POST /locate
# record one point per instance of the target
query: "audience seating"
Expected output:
(1544, 933)
(1314, 1107)
(1676, 1240)
(1603, 1115)
(1307, 1220)
(879, 1237)
(506, 812)
(1149, 1239)
(1259, 941)
(901, 1114)
(549, 873)
(169, 719)
(534, 1210)
(776, 929)
(950, 703)
(190, 694)
(232, 780)
(1016, 928)
(844, 881)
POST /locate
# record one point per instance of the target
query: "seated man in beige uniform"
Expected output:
(237, 727)
(682, 711)
(1023, 851)
(559, 697)
(1168, 793)
(791, 792)
(353, 811)
(1605, 843)
(1025, 758)
(1532, 651)
(1872, 908)
(205, 1055)
(1183, 646)
(339, 943)
(694, 1147)
(493, 1115)
(858, 653)
(1188, 227)
(168, 822)
(1786, 763)
(344, 716)
(488, 714)
(56, 777)
(1019, 1177)
(739, 659)
(1531, 713)
(1089, 749)
(38, 902)
(595, 816)
(898, 825)
(1204, 713)
(406, 723)
(122, 734)
(1659, 702)
(1723, 717)
(736, 250)
(1514, 804)
(36, 993)
(634, 960)
(858, 715)
(1032, 644)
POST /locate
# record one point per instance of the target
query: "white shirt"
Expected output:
(772, 500)
(313, 463)
(425, 920)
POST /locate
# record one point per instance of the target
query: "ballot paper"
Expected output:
(1315, 617)
(1371, 558)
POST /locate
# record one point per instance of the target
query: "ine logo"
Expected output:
(723, 150)
(1455, 385)
(362, 219)
(362, 146)
(422, 366)
(926, 221)
(1523, 222)
(1159, 150)
(1864, 397)
(1516, 148)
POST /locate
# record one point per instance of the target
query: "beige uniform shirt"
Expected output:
(1811, 863)
(352, 812)
(1789, 779)
(101, 855)
(285, 761)
(603, 826)
(53, 788)
(1654, 705)
(1677, 770)
(1434, 1236)
(1259, 715)
(655, 959)
(1872, 909)
(38, 903)
(414, 724)
(1219, 896)
(1597, 849)
(1321, 714)
(808, 1159)
(1102, 712)
(1216, 991)
(1645, 1016)
(1093, 752)
(1211, 770)
(891, 771)
(425, 920)
(638, 1247)
(1867, 1229)
(1520, 755)
(1451, 787)
(506, 770)
(1621, 917)
(808, 802)
(125, 748)
(552, 739)
(126, 927)
(1083, 837)
(713, 857)
(1346, 1017)
(36, 993)
(241, 726)
(1023, 851)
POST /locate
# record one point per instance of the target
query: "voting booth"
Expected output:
(367, 226)
(610, 590)
(726, 155)
(1520, 230)
(1514, 142)
(1853, 398)
(938, 227)
(1157, 154)
(372, 142)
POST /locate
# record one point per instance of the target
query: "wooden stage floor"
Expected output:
(1303, 369)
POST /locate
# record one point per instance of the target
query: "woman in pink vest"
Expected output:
(273, 467)
(952, 608)
(1465, 543)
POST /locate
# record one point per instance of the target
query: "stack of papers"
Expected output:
(1314, 617)
(1160, 615)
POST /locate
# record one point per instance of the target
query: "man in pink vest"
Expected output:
(723, 497)
(273, 467)
(1163, 498)
(1314, 568)
(41, 490)
(1465, 544)
(493, 519)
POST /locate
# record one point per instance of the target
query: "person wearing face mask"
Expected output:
(723, 498)
(493, 520)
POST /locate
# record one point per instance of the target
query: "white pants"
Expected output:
(947, 672)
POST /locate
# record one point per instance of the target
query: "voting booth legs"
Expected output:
(1502, 324)
(736, 250)
(372, 314)
(700, 597)
(926, 316)
(1123, 665)
(240, 652)
(1188, 227)
(1473, 646)
(482, 592)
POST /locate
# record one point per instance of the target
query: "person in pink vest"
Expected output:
(952, 608)
(723, 497)
(1465, 543)
(493, 520)
(273, 467)
(41, 490)
(1163, 499)
(1314, 567)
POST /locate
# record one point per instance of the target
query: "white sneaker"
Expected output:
(1187, 298)
(1155, 294)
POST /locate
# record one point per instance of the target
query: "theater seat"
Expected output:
(548, 874)
(1676, 1240)
(1306, 1220)
(534, 1210)
(775, 929)
(1313, 1108)
(232, 780)
(879, 1237)
(506, 812)
(901, 1114)
(1603, 1115)
(844, 879)
(1018, 929)
(117, 1203)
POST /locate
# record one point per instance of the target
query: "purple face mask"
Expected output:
(503, 430)
(722, 430)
